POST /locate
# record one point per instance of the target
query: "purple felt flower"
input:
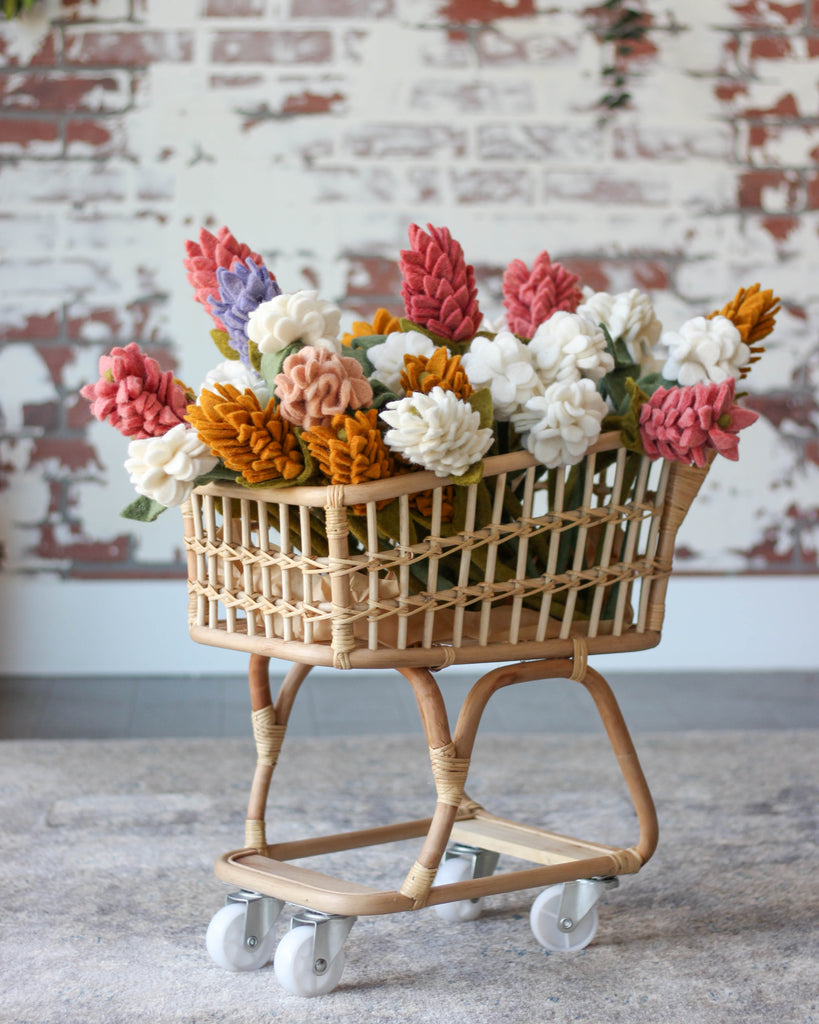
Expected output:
(241, 290)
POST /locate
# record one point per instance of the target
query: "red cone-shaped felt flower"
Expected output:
(531, 296)
(439, 286)
(134, 395)
(681, 424)
(203, 258)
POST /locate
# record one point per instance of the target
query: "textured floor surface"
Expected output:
(106, 865)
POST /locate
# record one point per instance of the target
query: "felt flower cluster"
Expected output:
(438, 389)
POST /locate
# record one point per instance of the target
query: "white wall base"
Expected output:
(50, 627)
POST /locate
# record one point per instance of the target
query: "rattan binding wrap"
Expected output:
(258, 581)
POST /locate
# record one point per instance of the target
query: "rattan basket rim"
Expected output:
(318, 496)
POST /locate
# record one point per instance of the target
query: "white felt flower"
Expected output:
(494, 326)
(627, 315)
(297, 316)
(234, 371)
(437, 431)
(705, 351)
(567, 347)
(506, 366)
(564, 422)
(164, 468)
(388, 357)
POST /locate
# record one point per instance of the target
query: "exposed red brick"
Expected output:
(780, 228)
(72, 453)
(464, 11)
(309, 47)
(46, 54)
(234, 81)
(786, 107)
(770, 47)
(42, 415)
(372, 277)
(813, 46)
(66, 93)
(127, 49)
(779, 407)
(753, 185)
(109, 317)
(342, 8)
(99, 135)
(56, 358)
(83, 550)
(78, 414)
(34, 328)
(756, 14)
(812, 191)
(727, 91)
(234, 8)
(28, 133)
(307, 102)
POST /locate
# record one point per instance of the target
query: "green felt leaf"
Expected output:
(408, 325)
(472, 476)
(271, 363)
(220, 472)
(481, 402)
(652, 381)
(143, 510)
(382, 394)
(255, 356)
(221, 339)
(359, 347)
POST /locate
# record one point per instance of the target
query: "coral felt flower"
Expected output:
(438, 285)
(249, 439)
(437, 431)
(705, 350)
(164, 468)
(316, 385)
(568, 347)
(531, 296)
(388, 357)
(202, 260)
(681, 424)
(134, 395)
(563, 422)
(506, 366)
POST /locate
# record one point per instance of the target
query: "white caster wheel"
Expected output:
(456, 869)
(293, 965)
(544, 919)
(226, 941)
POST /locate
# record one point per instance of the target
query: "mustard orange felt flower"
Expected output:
(351, 450)
(423, 373)
(753, 313)
(383, 323)
(255, 442)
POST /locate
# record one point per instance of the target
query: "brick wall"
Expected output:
(318, 130)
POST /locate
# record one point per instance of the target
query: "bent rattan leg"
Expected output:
(269, 725)
(476, 700)
(449, 771)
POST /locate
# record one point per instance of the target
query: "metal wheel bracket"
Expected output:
(261, 913)
(579, 897)
(329, 934)
(483, 862)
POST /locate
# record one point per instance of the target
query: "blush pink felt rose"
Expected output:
(314, 385)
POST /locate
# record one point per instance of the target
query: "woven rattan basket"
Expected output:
(576, 552)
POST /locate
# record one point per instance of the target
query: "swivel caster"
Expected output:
(240, 936)
(564, 917)
(309, 960)
(460, 863)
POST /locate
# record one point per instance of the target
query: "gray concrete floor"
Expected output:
(366, 703)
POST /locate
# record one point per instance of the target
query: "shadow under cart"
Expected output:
(461, 841)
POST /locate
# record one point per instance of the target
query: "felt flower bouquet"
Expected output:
(295, 402)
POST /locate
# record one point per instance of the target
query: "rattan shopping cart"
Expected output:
(537, 571)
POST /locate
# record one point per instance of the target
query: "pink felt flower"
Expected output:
(681, 424)
(438, 285)
(531, 296)
(316, 384)
(134, 395)
(203, 258)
